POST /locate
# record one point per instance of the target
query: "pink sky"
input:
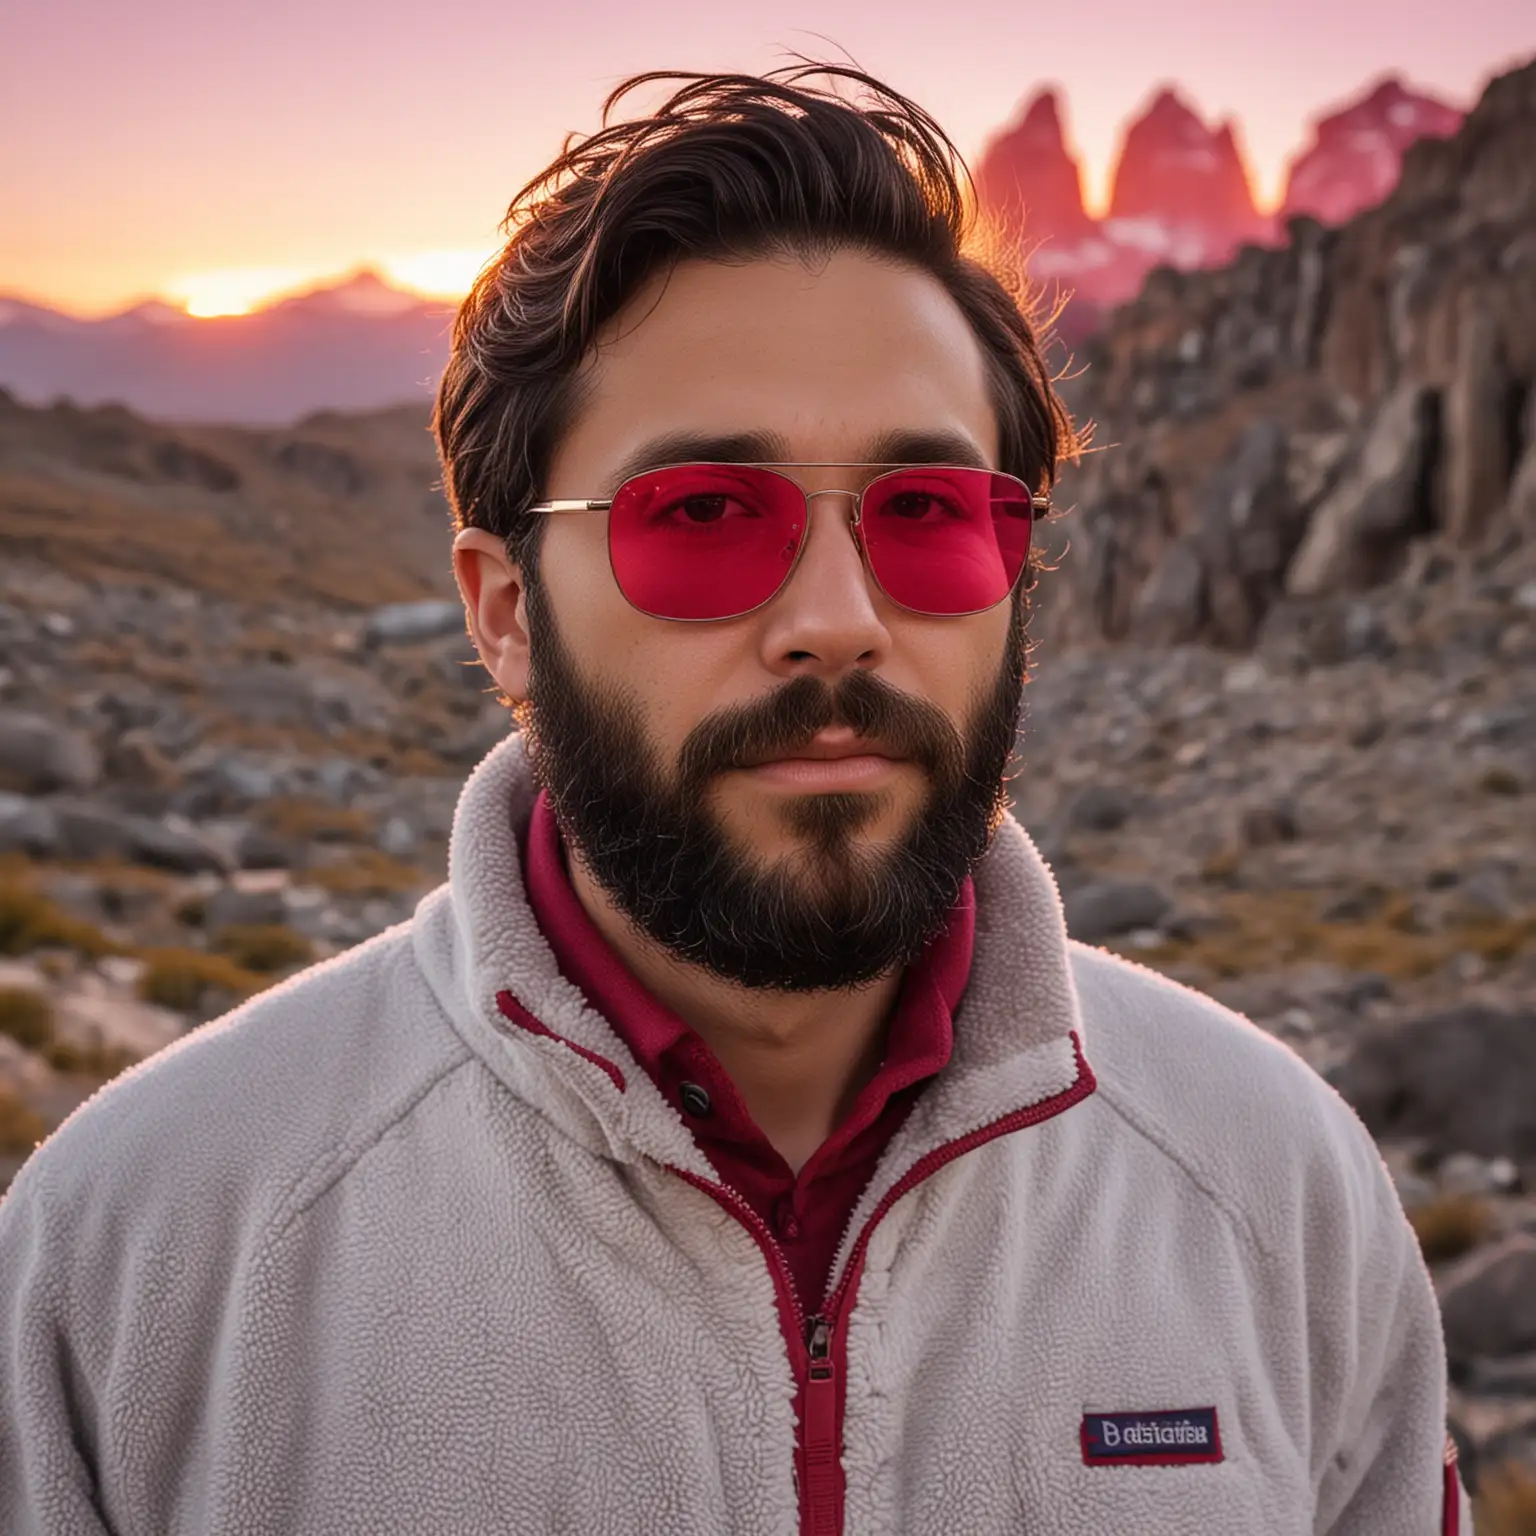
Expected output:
(154, 146)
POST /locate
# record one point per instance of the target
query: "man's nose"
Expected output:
(827, 619)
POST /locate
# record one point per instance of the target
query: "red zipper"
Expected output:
(821, 1501)
(818, 1347)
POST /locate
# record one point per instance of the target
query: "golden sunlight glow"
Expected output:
(235, 290)
(437, 274)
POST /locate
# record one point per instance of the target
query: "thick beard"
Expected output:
(831, 916)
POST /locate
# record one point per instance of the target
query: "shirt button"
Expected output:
(695, 1100)
(785, 1222)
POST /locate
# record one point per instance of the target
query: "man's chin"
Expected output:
(817, 830)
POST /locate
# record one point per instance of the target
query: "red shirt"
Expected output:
(807, 1214)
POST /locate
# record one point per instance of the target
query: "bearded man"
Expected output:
(718, 1150)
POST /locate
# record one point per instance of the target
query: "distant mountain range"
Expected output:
(1181, 193)
(1181, 196)
(359, 346)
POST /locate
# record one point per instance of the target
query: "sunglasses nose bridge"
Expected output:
(856, 497)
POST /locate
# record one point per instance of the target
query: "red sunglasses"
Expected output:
(715, 541)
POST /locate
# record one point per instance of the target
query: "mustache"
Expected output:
(787, 719)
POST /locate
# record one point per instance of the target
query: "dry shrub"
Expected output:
(21, 1127)
(29, 920)
(1506, 1502)
(96, 1060)
(264, 947)
(1497, 939)
(1258, 931)
(1499, 780)
(1450, 1225)
(1223, 866)
(188, 979)
(315, 821)
(25, 1015)
(369, 873)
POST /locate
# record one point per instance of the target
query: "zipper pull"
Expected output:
(818, 1343)
(822, 1433)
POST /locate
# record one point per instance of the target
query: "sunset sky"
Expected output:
(217, 152)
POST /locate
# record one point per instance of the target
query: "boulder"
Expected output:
(1490, 1308)
(1264, 825)
(134, 759)
(38, 756)
(232, 907)
(398, 623)
(1461, 1080)
(27, 826)
(1106, 908)
(1098, 808)
(258, 847)
(1378, 501)
(94, 832)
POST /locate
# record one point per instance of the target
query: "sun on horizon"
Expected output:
(431, 274)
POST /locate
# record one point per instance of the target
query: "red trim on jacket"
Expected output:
(514, 1011)
(1450, 1493)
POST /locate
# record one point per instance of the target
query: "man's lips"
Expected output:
(825, 747)
(830, 761)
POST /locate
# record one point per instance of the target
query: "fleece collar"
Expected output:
(476, 939)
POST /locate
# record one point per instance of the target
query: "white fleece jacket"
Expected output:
(411, 1244)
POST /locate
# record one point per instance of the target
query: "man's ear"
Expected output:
(496, 605)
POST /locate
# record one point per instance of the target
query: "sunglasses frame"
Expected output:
(1039, 502)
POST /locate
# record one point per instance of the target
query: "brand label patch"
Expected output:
(1172, 1437)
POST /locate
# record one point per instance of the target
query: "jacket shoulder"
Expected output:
(240, 1117)
(1240, 1112)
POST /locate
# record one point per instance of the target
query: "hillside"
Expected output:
(335, 508)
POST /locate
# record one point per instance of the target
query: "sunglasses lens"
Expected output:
(704, 541)
(947, 541)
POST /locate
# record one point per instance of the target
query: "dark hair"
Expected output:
(728, 167)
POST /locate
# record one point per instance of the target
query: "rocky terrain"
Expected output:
(237, 703)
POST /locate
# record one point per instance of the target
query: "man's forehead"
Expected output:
(855, 359)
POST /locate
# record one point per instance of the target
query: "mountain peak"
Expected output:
(1029, 180)
(1175, 168)
(363, 292)
(1356, 152)
(1041, 123)
(152, 312)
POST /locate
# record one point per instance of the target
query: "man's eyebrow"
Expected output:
(926, 447)
(700, 448)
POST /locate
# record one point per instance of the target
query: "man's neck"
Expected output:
(798, 1059)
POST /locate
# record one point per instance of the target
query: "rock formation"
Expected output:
(1288, 425)
(1357, 152)
(1182, 196)
(1029, 180)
